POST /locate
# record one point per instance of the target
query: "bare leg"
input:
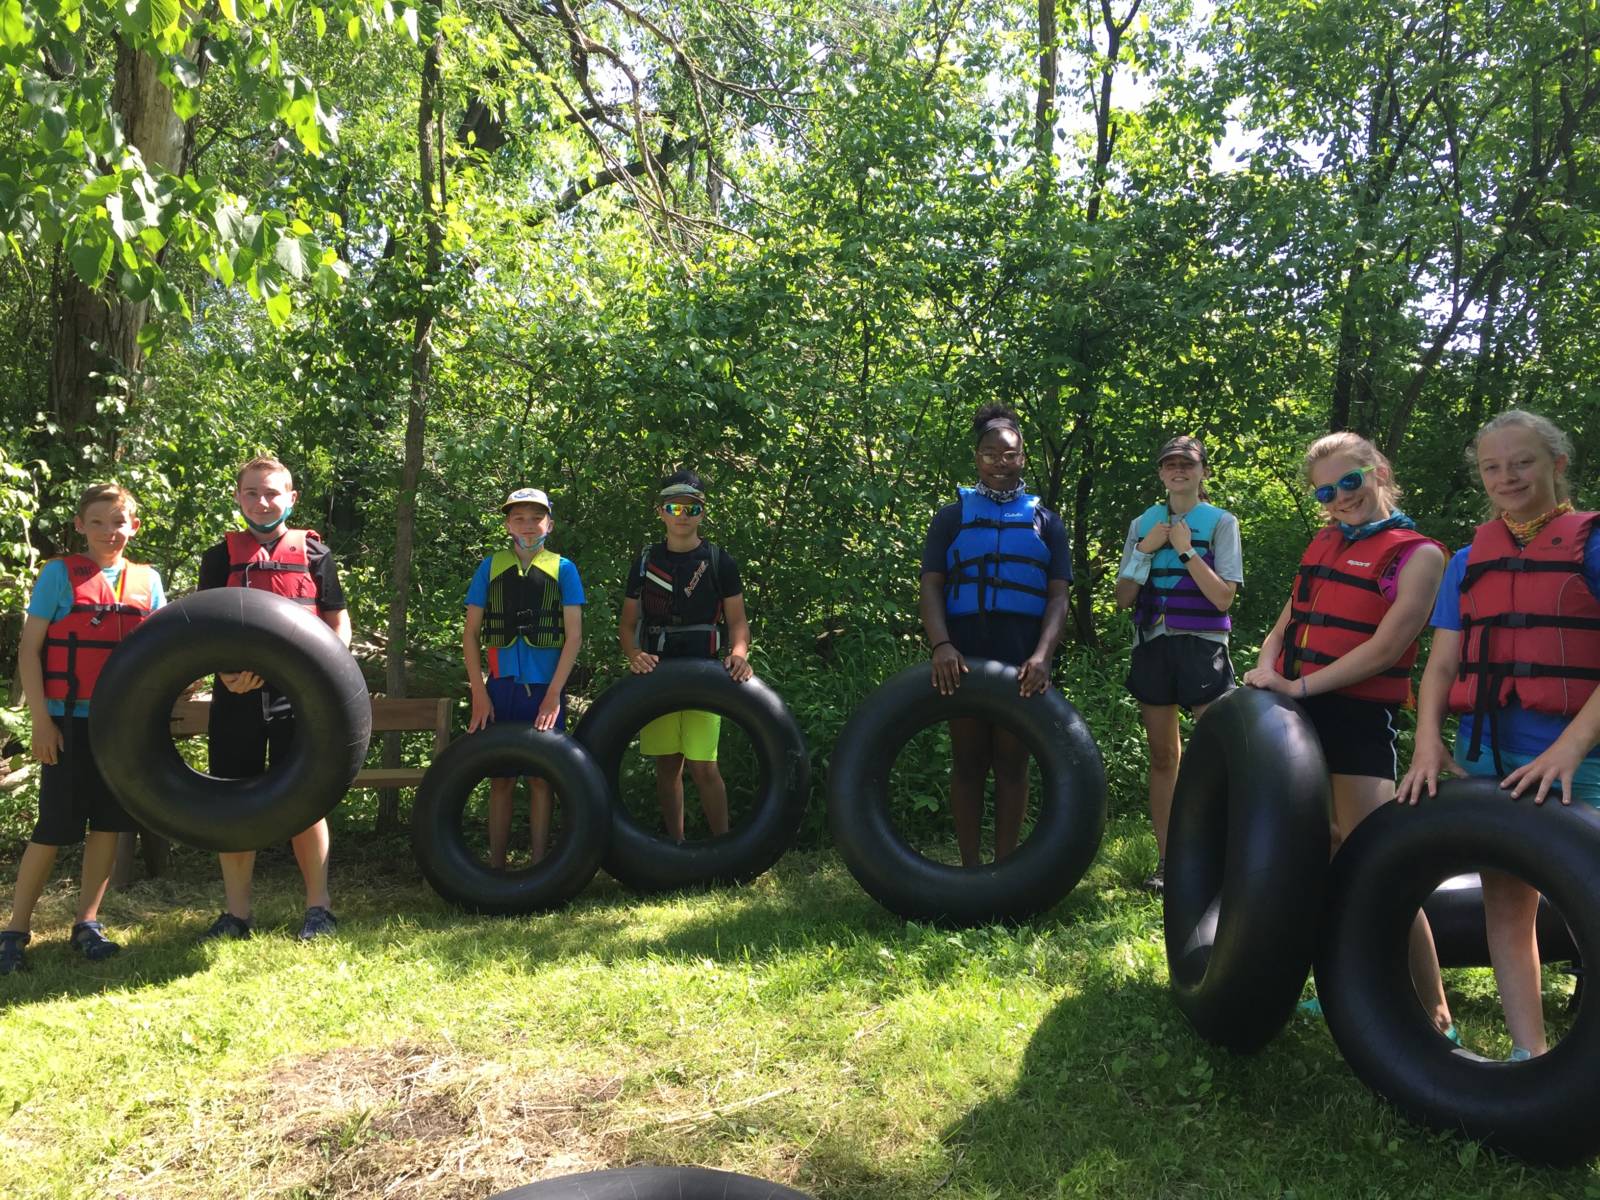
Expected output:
(713, 794)
(33, 872)
(538, 815)
(99, 854)
(971, 752)
(1511, 909)
(1354, 797)
(1010, 791)
(310, 848)
(669, 793)
(501, 792)
(1166, 750)
(237, 869)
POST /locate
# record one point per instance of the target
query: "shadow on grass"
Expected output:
(56, 970)
(1117, 1096)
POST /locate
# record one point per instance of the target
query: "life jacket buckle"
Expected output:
(1516, 620)
(1521, 670)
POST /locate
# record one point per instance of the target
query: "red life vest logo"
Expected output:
(1351, 562)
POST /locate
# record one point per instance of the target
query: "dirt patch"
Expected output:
(405, 1122)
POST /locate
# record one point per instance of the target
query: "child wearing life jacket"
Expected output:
(249, 720)
(685, 600)
(1516, 651)
(996, 566)
(82, 605)
(525, 604)
(1345, 642)
(1181, 568)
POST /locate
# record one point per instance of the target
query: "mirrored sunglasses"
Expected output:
(681, 508)
(1347, 483)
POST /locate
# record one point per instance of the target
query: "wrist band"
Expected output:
(936, 645)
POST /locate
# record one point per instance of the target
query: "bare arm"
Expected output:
(1034, 676)
(30, 667)
(640, 662)
(339, 622)
(571, 643)
(472, 656)
(1430, 759)
(738, 660)
(948, 665)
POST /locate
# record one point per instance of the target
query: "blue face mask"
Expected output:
(529, 544)
(1395, 520)
(271, 527)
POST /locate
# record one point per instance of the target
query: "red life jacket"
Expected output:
(1530, 626)
(1337, 605)
(76, 647)
(285, 569)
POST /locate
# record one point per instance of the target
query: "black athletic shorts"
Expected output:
(1004, 637)
(72, 793)
(1176, 668)
(1358, 736)
(241, 733)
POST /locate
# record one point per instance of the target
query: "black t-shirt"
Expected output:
(700, 594)
(214, 569)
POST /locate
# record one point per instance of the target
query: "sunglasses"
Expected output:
(675, 508)
(1347, 483)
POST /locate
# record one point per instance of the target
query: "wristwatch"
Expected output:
(1185, 555)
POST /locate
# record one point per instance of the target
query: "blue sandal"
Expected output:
(90, 938)
(11, 956)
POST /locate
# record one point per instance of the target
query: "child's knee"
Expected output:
(669, 765)
(704, 772)
(1164, 758)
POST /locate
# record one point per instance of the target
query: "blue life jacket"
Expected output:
(998, 561)
(1171, 595)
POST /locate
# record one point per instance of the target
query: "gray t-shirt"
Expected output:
(1226, 552)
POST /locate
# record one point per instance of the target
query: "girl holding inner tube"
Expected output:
(1345, 642)
(995, 571)
(1181, 568)
(1516, 651)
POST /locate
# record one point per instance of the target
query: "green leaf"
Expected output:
(279, 306)
(100, 187)
(91, 252)
(291, 256)
(230, 11)
(13, 27)
(161, 15)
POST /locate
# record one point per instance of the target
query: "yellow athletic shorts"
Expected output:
(691, 733)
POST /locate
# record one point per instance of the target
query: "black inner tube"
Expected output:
(1043, 869)
(1542, 1109)
(230, 629)
(578, 841)
(646, 862)
(1247, 853)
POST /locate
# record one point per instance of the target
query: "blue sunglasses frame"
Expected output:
(1346, 483)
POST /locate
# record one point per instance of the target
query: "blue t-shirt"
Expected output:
(1521, 731)
(520, 661)
(52, 600)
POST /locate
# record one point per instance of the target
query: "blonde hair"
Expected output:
(100, 493)
(263, 462)
(1556, 443)
(1361, 452)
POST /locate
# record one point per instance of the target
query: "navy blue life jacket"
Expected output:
(998, 561)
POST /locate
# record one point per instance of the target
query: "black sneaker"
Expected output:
(11, 956)
(1157, 881)
(227, 926)
(318, 923)
(90, 938)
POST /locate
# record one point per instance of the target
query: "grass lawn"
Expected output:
(791, 1029)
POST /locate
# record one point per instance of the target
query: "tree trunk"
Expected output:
(430, 174)
(1044, 108)
(97, 332)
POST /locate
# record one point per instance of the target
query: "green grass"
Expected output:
(791, 1029)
